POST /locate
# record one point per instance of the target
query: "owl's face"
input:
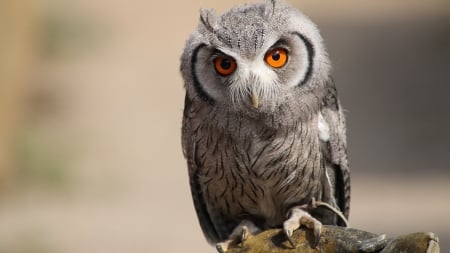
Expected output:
(254, 58)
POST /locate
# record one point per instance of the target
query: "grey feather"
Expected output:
(209, 19)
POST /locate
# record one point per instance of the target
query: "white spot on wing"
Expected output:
(324, 130)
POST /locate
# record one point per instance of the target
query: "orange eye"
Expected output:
(277, 58)
(225, 65)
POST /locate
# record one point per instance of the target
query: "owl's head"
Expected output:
(254, 58)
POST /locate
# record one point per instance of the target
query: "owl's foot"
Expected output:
(241, 233)
(298, 217)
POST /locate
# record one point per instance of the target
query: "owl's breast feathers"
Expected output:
(244, 169)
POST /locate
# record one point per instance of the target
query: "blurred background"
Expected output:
(90, 113)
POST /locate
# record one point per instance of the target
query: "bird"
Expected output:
(263, 130)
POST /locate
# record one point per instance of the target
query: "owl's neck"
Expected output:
(240, 124)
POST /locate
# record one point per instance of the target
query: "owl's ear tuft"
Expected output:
(208, 18)
(270, 9)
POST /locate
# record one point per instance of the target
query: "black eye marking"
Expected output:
(201, 93)
(311, 53)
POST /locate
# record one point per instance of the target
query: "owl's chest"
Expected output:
(261, 175)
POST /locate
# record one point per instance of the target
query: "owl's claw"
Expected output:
(298, 217)
(288, 234)
(317, 231)
(245, 233)
(220, 249)
(241, 233)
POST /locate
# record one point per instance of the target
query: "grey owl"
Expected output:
(263, 130)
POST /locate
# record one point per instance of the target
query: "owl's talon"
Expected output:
(288, 234)
(245, 233)
(220, 248)
(317, 232)
(241, 233)
(298, 217)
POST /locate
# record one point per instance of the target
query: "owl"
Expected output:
(263, 131)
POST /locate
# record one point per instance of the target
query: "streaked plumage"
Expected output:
(254, 160)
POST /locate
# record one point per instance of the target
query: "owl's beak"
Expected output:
(255, 99)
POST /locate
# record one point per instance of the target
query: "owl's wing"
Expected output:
(335, 147)
(190, 153)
